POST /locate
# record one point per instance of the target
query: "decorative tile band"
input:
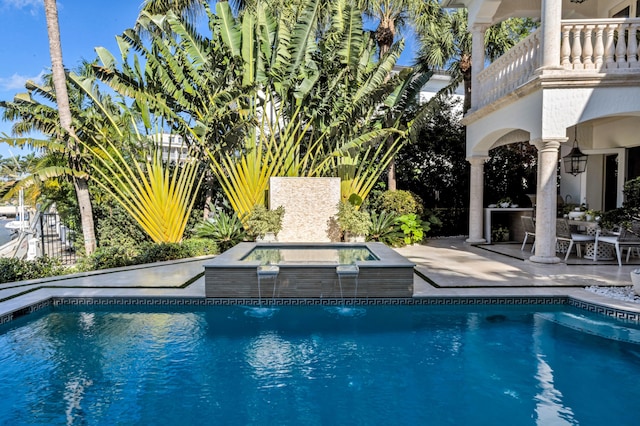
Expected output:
(24, 311)
(197, 301)
(438, 301)
(605, 310)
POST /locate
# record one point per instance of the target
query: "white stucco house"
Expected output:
(172, 146)
(578, 72)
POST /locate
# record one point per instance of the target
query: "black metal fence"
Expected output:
(56, 239)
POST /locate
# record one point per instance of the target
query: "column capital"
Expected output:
(478, 160)
(479, 28)
(548, 144)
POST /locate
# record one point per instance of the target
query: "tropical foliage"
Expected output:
(157, 195)
(446, 43)
(262, 96)
(413, 227)
(68, 134)
(352, 220)
(384, 229)
(399, 202)
(224, 229)
(262, 221)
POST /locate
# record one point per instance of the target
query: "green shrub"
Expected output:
(106, 257)
(631, 192)
(413, 228)
(120, 256)
(114, 226)
(12, 269)
(352, 220)
(160, 252)
(384, 229)
(262, 221)
(224, 229)
(399, 202)
(454, 222)
(200, 247)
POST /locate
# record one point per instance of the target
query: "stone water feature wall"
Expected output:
(310, 206)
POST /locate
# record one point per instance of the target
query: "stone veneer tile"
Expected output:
(310, 206)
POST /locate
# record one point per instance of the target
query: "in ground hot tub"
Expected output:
(309, 271)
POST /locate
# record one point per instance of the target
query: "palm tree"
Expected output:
(64, 111)
(392, 16)
(327, 91)
(446, 43)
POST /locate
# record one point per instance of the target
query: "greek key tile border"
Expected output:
(25, 311)
(436, 301)
(197, 301)
(605, 310)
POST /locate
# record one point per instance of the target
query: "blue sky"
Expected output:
(84, 25)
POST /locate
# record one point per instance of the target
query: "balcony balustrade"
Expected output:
(588, 46)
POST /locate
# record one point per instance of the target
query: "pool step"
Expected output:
(601, 328)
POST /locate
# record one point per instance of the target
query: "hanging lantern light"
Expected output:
(575, 162)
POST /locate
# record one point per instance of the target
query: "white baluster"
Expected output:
(632, 49)
(636, 35)
(537, 60)
(587, 49)
(576, 48)
(598, 51)
(609, 48)
(565, 49)
(621, 47)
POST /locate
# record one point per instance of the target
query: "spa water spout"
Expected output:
(267, 271)
(347, 271)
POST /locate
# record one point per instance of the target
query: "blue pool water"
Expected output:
(406, 365)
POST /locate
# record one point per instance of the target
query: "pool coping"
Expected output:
(386, 257)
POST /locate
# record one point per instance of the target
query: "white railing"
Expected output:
(509, 71)
(588, 45)
(600, 44)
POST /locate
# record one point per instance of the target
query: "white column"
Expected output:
(477, 60)
(551, 33)
(546, 200)
(476, 194)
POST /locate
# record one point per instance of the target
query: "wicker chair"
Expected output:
(627, 238)
(529, 230)
(563, 233)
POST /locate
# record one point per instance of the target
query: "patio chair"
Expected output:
(563, 233)
(627, 238)
(529, 230)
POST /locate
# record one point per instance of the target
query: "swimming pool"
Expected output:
(318, 365)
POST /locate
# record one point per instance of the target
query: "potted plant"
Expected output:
(500, 234)
(353, 222)
(505, 202)
(264, 224)
(591, 215)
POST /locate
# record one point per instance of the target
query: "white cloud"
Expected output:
(16, 82)
(21, 4)
(33, 6)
